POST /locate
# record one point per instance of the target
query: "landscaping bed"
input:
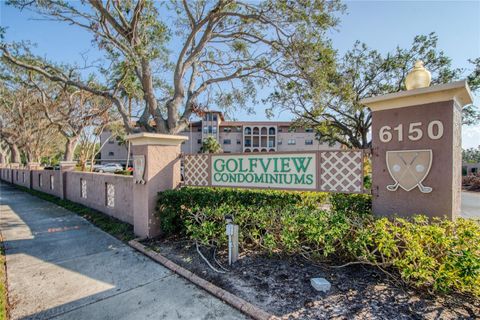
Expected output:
(281, 286)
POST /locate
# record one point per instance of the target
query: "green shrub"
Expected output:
(438, 255)
(174, 204)
(358, 203)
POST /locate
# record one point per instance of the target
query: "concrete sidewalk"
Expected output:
(60, 266)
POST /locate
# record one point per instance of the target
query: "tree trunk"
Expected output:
(70, 149)
(15, 154)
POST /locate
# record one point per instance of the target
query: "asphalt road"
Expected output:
(471, 205)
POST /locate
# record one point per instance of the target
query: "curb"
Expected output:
(234, 301)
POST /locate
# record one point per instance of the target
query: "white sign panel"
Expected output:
(282, 171)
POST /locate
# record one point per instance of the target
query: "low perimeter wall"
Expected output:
(107, 193)
(48, 181)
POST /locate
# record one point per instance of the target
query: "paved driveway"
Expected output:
(471, 205)
(60, 266)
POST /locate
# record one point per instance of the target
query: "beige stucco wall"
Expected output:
(119, 151)
(233, 136)
(96, 193)
(191, 145)
(21, 177)
(45, 187)
(300, 138)
(471, 166)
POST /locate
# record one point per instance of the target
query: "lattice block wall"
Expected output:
(195, 168)
(341, 171)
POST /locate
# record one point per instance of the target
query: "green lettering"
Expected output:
(222, 165)
(253, 163)
(229, 167)
(309, 178)
(265, 166)
(285, 165)
(241, 165)
(259, 178)
(300, 163)
(300, 179)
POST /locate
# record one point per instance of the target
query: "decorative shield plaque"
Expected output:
(138, 169)
(408, 169)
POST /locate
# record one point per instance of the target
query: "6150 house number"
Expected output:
(414, 131)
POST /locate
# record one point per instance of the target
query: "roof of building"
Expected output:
(255, 123)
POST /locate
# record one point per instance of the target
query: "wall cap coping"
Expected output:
(148, 138)
(458, 91)
(68, 163)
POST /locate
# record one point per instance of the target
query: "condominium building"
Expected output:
(234, 137)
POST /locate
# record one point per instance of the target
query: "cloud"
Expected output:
(470, 136)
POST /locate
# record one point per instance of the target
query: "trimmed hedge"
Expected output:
(174, 205)
(437, 255)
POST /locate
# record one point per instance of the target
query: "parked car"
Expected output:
(57, 167)
(109, 168)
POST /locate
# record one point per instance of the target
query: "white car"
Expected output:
(109, 167)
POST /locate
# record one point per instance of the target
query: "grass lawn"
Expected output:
(3, 283)
(119, 229)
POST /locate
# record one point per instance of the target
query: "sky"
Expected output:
(380, 24)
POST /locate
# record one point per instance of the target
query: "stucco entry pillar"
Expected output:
(156, 159)
(13, 166)
(65, 166)
(417, 149)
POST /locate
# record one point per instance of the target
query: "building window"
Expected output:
(23, 176)
(291, 142)
(279, 142)
(214, 130)
(309, 142)
(16, 175)
(238, 129)
(227, 129)
(271, 142)
(199, 129)
(239, 142)
(83, 188)
(280, 130)
(271, 131)
(210, 129)
(248, 142)
(40, 180)
(109, 195)
(52, 182)
(199, 141)
(111, 141)
(248, 130)
(111, 153)
(205, 129)
(309, 130)
(227, 141)
(214, 117)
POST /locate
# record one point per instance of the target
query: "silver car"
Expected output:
(109, 168)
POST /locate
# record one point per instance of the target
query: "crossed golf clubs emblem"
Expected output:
(408, 169)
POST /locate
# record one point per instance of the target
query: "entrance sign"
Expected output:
(289, 171)
(416, 150)
(139, 169)
(409, 168)
(333, 170)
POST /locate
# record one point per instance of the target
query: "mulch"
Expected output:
(281, 286)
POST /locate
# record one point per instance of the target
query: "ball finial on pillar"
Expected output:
(418, 77)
